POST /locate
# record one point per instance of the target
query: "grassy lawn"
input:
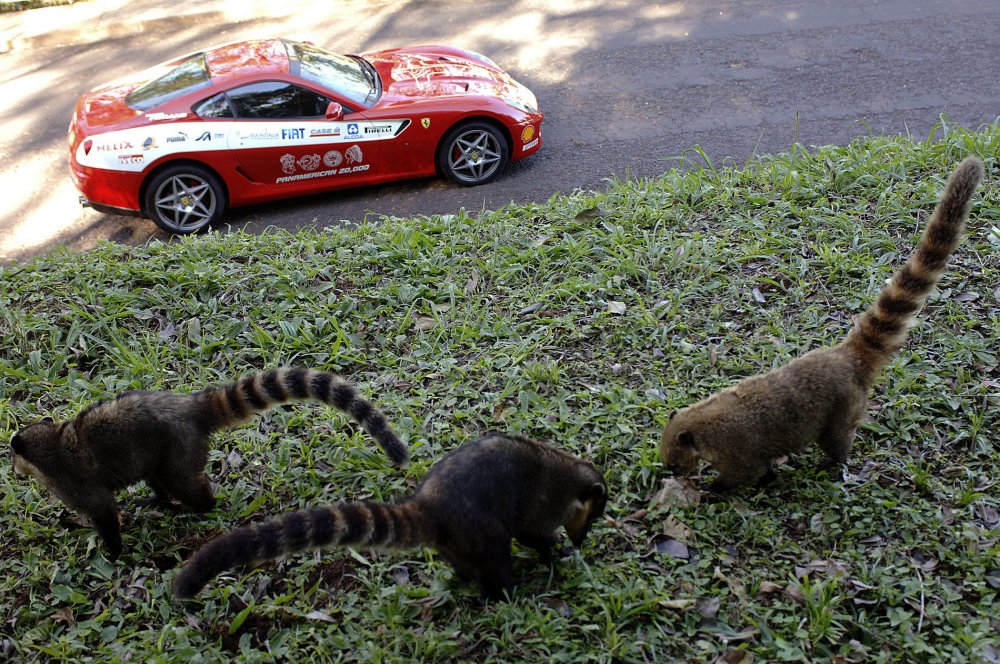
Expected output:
(583, 321)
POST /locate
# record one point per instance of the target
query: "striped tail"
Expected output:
(883, 328)
(362, 525)
(233, 404)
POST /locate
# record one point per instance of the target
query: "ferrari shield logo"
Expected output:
(425, 122)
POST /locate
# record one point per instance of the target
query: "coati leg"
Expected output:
(102, 510)
(543, 544)
(160, 497)
(194, 491)
(732, 475)
(495, 571)
(836, 442)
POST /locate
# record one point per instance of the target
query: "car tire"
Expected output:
(473, 153)
(185, 199)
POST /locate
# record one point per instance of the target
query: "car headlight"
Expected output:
(523, 100)
(482, 58)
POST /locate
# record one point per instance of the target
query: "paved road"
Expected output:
(625, 85)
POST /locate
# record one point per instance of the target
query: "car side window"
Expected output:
(277, 99)
(217, 106)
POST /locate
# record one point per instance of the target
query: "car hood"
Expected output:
(440, 71)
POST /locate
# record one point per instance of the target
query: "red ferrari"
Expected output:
(260, 120)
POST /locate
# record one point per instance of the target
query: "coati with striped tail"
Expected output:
(822, 396)
(162, 438)
(468, 508)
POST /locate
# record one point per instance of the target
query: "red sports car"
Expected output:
(265, 119)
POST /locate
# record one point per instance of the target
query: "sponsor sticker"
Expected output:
(324, 132)
(309, 162)
(332, 159)
(528, 146)
(130, 159)
(352, 129)
(322, 174)
(206, 136)
(425, 123)
(115, 147)
(288, 163)
(179, 137)
(378, 129)
(354, 155)
(149, 143)
(165, 116)
(294, 133)
(527, 134)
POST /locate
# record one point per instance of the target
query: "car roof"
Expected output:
(259, 56)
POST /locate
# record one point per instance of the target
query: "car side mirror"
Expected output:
(334, 111)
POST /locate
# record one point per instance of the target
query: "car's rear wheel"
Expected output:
(473, 153)
(185, 199)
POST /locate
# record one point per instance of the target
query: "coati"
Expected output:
(162, 438)
(822, 396)
(468, 508)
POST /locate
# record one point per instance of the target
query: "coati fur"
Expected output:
(162, 438)
(822, 396)
(468, 508)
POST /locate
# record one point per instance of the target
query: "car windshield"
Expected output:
(182, 76)
(350, 77)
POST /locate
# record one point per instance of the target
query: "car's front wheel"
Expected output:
(185, 199)
(473, 153)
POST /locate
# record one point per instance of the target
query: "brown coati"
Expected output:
(162, 438)
(822, 396)
(468, 508)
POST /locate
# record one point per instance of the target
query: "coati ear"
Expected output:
(48, 420)
(686, 438)
(671, 416)
(595, 496)
(17, 444)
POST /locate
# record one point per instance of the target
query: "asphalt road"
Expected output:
(625, 86)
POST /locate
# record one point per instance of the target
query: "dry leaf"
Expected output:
(673, 548)
(677, 492)
(64, 615)
(709, 608)
(320, 616)
(421, 323)
(616, 307)
(472, 283)
(757, 295)
(768, 587)
(558, 605)
(677, 604)
(739, 637)
(672, 527)
(735, 657)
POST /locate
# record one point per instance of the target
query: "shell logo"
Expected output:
(527, 134)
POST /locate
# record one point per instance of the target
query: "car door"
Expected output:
(282, 138)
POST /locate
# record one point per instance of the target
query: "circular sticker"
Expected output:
(528, 132)
(332, 159)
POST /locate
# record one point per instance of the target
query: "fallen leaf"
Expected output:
(64, 615)
(677, 604)
(401, 575)
(673, 548)
(590, 214)
(421, 323)
(616, 307)
(709, 608)
(672, 527)
(757, 295)
(735, 657)
(530, 310)
(739, 637)
(560, 606)
(967, 296)
(768, 588)
(320, 616)
(472, 283)
(676, 491)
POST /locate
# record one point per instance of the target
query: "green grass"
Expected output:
(583, 321)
